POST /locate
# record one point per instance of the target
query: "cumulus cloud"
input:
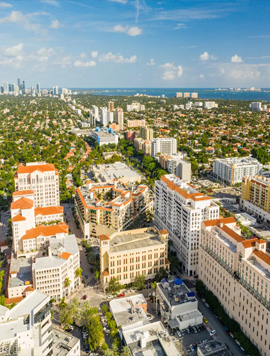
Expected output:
(206, 56)
(87, 64)
(5, 4)
(55, 24)
(43, 54)
(130, 31)
(151, 62)
(236, 59)
(119, 1)
(116, 58)
(170, 71)
(94, 54)
(14, 50)
(245, 72)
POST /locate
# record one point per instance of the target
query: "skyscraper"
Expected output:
(38, 88)
(19, 83)
(55, 90)
(5, 87)
(119, 117)
(110, 105)
(23, 87)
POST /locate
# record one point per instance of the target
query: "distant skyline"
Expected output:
(135, 43)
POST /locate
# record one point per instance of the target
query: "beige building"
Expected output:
(237, 271)
(110, 105)
(255, 196)
(108, 208)
(125, 255)
(146, 133)
(119, 118)
(135, 123)
(43, 179)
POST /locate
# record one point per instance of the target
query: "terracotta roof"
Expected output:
(13, 300)
(47, 167)
(104, 237)
(105, 272)
(262, 256)
(232, 233)
(23, 192)
(163, 232)
(50, 210)
(45, 231)
(22, 203)
(18, 218)
(65, 255)
(249, 243)
(217, 222)
(29, 289)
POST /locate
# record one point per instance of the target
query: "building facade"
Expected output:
(164, 145)
(180, 209)
(125, 255)
(232, 170)
(237, 271)
(146, 133)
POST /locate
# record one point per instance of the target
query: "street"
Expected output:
(4, 226)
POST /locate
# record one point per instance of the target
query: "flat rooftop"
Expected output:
(176, 294)
(213, 348)
(115, 170)
(23, 267)
(131, 241)
(63, 342)
(158, 342)
(239, 161)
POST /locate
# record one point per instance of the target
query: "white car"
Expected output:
(212, 332)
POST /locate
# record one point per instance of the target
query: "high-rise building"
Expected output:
(104, 116)
(186, 95)
(26, 329)
(23, 87)
(55, 90)
(119, 117)
(194, 95)
(6, 88)
(38, 88)
(110, 105)
(42, 179)
(19, 83)
(210, 105)
(255, 106)
(231, 170)
(255, 196)
(164, 145)
(180, 209)
(109, 116)
(146, 133)
(237, 271)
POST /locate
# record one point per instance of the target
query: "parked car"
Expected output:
(212, 332)
(121, 295)
(84, 297)
(191, 347)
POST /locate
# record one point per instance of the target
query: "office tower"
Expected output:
(231, 170)
(110, 105)
(38, 88)
(6, 87)
(237, 271)
(55, 90)
(1, 89)
(43, 179)
(19, 83)
(11, 88)
(164, 145)
(119, 117)
(146, 133)
(23, 87)
(180, 209)
(104, 116)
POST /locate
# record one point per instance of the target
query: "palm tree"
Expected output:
(78, 272)
(97, 275)
(67, 282)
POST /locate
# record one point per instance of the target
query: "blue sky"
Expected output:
(135, 43)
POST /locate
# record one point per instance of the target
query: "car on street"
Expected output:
(84, 297)
(205, 320)
(191, 348)
(121, 295)
(212, 332)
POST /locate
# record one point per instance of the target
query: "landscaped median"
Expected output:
(229, 323)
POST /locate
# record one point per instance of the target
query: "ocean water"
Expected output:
(207, 93)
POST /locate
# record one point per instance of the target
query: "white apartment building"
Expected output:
(104, 116)
(43, 179)
(180, 209)
(186, 95)
(179, 95)
(232, 170)
(51, 273)
(256, 106)
(110, 117)
(135, 107)
(237, 271)
(164, 145)
(179, 167)
(194, 95)
(210, 105)
(26, 329)
(104, 137)
(65, 344)
(125, 255)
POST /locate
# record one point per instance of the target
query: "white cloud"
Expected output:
(119, 1)
(87, 64)
(14, 51)
(94, 54)
(64, 62)
(51, 2)
(171, 71)
(23, 20)
(151, 62)
(130, 31)
(55, 24)
(5, 4)
(206, 56)
(119, 28)
(116, 58)
(201, 76)
(83, 55)
(43, 54)
(134, 31)
(236, 59)
(243, 73)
